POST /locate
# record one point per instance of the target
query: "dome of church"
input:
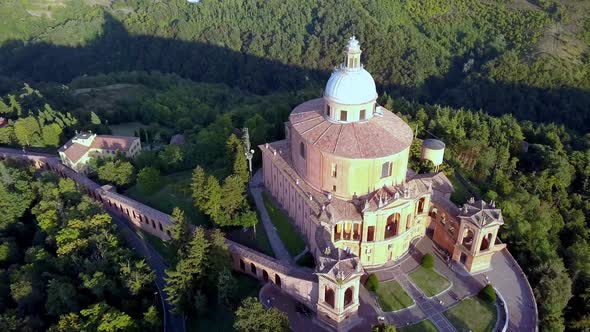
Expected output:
(350, 83)
(351, 87)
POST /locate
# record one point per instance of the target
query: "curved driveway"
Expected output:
(134, 238)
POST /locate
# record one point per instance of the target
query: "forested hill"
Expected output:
(528, 58)
(156, 68)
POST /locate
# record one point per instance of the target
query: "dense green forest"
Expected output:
(62, 264)
(503, 56)
(505, 83)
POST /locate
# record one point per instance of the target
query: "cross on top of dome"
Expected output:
(350, 83)
(353, 44)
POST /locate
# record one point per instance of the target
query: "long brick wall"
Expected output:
(298, 282)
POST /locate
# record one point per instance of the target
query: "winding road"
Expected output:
(134, 238)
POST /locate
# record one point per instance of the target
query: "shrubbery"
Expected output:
(488, 294)
(306, 260)
(372, 283)
(383, 328)
(428, 261)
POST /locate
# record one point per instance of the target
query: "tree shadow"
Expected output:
(117, 50)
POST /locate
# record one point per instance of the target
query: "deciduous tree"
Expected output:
(252, 317)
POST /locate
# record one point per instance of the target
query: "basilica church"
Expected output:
(342, 176)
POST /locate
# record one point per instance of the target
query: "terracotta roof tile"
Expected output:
(110, 142)
(74, 151)
(380, 136)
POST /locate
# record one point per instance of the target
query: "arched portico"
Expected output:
(348, 296)
(329, 297)
(486, 241)
(467, 238)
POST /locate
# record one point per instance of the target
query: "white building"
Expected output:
(79, 150)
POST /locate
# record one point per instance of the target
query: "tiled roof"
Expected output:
(74, 151)
(338, 264)
(440, 182)
(387, 195)
(481, 214)
(110, 142)
(380, 136)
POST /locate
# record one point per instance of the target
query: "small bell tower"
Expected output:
(479, 223)
(339, 275)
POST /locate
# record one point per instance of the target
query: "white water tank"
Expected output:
(433, 150)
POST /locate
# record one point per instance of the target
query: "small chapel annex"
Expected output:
(342, 175)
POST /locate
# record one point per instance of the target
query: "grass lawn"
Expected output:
(392, 296)
(127, 129)
(220, 317)
(287, 231)
(429, 281)
(473, 314)
(175, 192)
(423, 326)
(259, 242)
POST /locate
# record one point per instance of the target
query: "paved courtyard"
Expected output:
(505, 276)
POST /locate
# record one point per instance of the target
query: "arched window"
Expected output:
(242, 265)
(371, 233)
(264, 275)
(253, 268)
(386, 169)
(302, 150)
(391, 226)
(278, 280)
(485, 242)
(409, 221)
(348, 297)
(467, 241)
(362, 115)
(328, 110)
(329, 296)
(421, 205)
